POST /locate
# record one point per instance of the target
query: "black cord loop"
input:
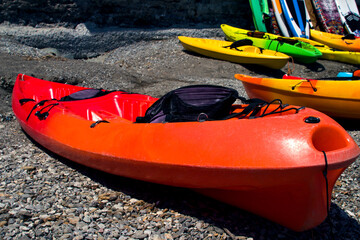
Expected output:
(39, 104)
(25, 100)
(280, 109)
(309, 81)
(97, 122)
(43, 115)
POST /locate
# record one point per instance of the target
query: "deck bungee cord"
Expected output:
(304, 80)
(253, 110)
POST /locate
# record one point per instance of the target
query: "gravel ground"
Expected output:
(43, 196)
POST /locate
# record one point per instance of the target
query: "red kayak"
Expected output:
(269, 164)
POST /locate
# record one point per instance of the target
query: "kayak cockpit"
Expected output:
(114, 105)
(100, 105)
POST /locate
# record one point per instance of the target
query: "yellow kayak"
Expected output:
(328, 53)
(224, 50)
(333, 54)
(337, 98)
(336, 41)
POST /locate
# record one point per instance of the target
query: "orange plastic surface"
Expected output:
(335, 40)
(271, 166)
(336, 98)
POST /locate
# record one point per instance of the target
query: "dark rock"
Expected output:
(125, 13)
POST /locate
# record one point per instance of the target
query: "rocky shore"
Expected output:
(43, 196)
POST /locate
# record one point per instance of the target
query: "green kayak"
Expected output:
(301, 52)
(260, 13)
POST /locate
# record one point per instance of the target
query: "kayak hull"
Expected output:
(283, 206)
(244, 55)
(335, 98)
(260, 11)
(332, 54)
(101, 133)
(335, 41)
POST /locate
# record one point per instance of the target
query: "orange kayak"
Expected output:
(337, 98)
(336, 41)
(260, 163)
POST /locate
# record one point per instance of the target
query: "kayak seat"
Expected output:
(208, 103)
(252, 49)
(192, 103)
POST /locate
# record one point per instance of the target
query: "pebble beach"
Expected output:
(44, 196)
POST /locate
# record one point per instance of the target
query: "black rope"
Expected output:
(275, 100)
(314, 88)
(255, 106)
(97, 122)
(293, 87)
(309, 81)
(279, 109)
(327, 196)
(25, 100)
(43, 115)
(41, 103)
